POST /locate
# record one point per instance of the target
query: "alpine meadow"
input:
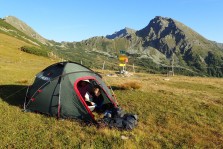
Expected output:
(184, 110)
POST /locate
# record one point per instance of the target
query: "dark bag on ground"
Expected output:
(117, 118)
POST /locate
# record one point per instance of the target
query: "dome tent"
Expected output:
(55, 93)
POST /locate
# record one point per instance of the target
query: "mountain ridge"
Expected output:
(22, 26)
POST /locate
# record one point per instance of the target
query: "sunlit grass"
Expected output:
(176, 112)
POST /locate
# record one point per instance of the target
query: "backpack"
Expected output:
(117, 118)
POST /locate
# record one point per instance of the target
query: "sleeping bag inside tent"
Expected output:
(55, 92)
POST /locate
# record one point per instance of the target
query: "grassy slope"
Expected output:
(16, 64)
(178, 113)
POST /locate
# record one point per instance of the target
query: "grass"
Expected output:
(175, 112)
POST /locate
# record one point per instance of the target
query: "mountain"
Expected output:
(122, 33)
(170, 36)
(176, 40)
(23, 27)
(162, 43)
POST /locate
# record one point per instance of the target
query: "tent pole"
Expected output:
(58, 109)
(24, 106)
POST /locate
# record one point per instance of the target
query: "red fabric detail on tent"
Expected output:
(49, 73)
(79, 95)
(33, 99)
(40, 91)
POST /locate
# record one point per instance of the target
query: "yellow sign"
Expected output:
(123, 57)
(121, 64)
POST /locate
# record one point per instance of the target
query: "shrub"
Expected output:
(129, 85)
(35, 51)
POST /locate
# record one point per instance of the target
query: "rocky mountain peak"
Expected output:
(158, 28)
(122, 33)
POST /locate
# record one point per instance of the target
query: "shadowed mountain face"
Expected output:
(170, 36)
(161, 29)
(163, 35)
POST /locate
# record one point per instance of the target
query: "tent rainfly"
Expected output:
(55, 92)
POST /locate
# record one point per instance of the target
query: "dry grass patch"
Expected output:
(24, 81)
(129, 85)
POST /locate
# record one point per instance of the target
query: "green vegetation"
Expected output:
(92, 59)
(215, 64)
(35, 51)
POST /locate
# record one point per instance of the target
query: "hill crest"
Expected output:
(22, 26)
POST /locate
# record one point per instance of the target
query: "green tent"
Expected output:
(55, 93)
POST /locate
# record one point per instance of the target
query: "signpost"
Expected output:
(123, 59)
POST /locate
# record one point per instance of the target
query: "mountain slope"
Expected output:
(10, 30)
(20, 25)
(14, 62)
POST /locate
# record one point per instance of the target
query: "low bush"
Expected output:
(35, 51)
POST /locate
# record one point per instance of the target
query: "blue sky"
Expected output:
(72, 20)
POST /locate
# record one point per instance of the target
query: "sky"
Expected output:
(76, 20)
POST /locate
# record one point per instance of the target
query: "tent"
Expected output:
(55, 93)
